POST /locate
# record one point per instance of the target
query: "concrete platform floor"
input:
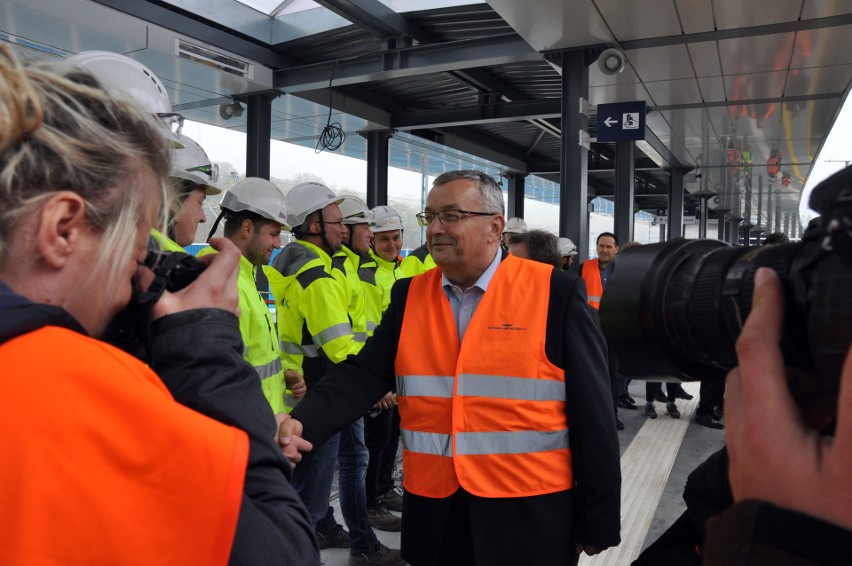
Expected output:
(656, 457)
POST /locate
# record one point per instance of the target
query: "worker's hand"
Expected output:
(386, 402)
(216, 287)
(295, 382)
(289, 438)
(774, 455)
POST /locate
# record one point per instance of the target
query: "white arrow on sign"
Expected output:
(609, 122)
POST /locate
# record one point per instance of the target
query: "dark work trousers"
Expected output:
(651, 387)
(710, 394)
(381, 434)
(616, 380)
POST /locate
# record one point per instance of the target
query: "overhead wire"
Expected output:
(332, 135)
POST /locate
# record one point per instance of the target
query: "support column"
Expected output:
(625, 152)
(573, 177)
(377, 166)
(516, 193)
(721, 228)
(702, 217)
(777, 210)
(258, 134)
(676, 203)
(787, 223)
(747, 214)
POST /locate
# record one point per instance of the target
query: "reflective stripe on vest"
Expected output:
(307, 350)
(487, 414)
(269, 370)
(594, 287)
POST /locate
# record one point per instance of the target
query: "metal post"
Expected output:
(721, 227)
(759, 207)
(377, 166)
(258, 134)
(624, 189)
(516, 193)
(573, 177)
(676, 203)
(702, 216)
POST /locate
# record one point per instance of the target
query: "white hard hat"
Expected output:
(566, 247)
(306, 198)
(259, 196)
(190, 162)
(125, 75)
(386, 219)
(355, 211)
(515, 225)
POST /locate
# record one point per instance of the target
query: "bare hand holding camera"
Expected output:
(775, 456)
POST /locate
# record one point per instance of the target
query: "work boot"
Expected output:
(335, 538)
(392, 500)
(680, 392)
(708, 421)
(382, 519)
(626, 402)
(379, 555)
(618, 424)
(650, 411)
(672, 409)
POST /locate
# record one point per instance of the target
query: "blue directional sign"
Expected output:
(621, 121)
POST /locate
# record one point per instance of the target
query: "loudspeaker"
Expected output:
(232, 110)
(612, 61)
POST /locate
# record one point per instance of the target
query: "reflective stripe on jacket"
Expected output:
(107, 468)
(417, 262)
(260, 339)
(487, 415)
(591, 274)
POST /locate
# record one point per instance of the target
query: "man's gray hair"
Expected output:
(492, 194)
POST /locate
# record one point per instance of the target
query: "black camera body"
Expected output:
(130, 329)
(677, 308)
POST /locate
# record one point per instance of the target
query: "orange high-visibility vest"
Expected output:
(487, 415)
(594, 287)
(102, 466)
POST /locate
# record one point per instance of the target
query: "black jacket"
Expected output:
(198, 355)
(574, 342)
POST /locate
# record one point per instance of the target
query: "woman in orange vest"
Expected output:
(107, 460)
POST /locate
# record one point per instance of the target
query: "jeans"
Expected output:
(314, 476)
(353, 457)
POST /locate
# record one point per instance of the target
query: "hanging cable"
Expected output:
(332, 135)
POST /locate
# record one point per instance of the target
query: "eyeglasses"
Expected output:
(448, 216)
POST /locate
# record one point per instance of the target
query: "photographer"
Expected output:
(791, 484)
(106, 461)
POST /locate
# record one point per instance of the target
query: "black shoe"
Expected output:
(383, 520)
(708, 421)
(672, 409)
(379, 555)
(660, 396)
(625, 402)
(650, 411)
(336, 538)
(392, 500)
(618, 424)
(680, 393)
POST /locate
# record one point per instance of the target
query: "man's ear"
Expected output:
(498, 224)
(247, 229)
(61, 222)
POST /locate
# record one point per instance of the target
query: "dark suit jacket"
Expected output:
(550, 524)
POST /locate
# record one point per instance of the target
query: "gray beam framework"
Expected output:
(377, 166)
(625, 153)
(375, 17)
(171, 18)
(573, 175)
(516, 193)
(676, 203)
(481, 114)
(258, 134)
(407, 62)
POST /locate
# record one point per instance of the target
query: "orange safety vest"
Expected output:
(594, 287)
(487, 415)
(102, 466)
